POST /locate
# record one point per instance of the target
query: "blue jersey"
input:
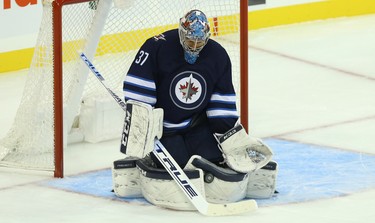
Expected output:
(160, 76)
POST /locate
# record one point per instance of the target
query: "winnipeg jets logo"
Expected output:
(188, 90)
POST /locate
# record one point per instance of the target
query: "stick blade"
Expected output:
(231, 208)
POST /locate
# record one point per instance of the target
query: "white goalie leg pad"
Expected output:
(243, 153)
(160, 189)
(262, 182)
(222, 185)
(125, 178)
(142, 124)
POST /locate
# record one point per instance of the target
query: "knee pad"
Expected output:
(125, 178)
(222, 185)
(262, 182)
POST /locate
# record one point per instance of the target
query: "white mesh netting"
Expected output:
(111, 37)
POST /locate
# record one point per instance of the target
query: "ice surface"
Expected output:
(312, 88)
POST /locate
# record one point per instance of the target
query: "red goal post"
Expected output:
(58, 83)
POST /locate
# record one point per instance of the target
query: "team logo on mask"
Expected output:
(188, 90)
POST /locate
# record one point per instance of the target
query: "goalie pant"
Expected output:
(134, 177)
(198, 139)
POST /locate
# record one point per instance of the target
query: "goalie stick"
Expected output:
(175, 171)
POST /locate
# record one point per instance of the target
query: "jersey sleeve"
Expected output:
(222, 111)
(139, 83)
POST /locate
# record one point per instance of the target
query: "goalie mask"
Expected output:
(194, 32)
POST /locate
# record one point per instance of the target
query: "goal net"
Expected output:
(60, 99)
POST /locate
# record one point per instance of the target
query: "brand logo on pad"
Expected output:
(188, 90)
